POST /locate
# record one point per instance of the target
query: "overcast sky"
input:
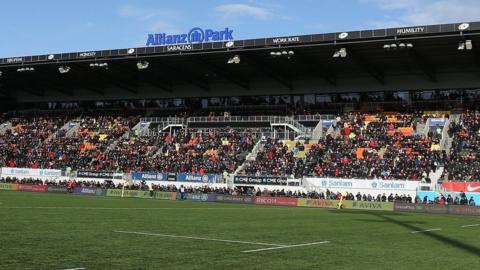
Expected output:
(53, 26)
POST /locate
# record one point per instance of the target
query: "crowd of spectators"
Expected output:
(465, 149)
(211, 151)
(274, 159)
(20, 144)
(359, 146)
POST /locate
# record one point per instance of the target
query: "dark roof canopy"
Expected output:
(426, 50)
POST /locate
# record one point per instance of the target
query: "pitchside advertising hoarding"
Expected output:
(128, 193)
(6, 186)
(89, 191)
(437, 209)
(172, 196)
(317, 203)
(320, 203)
(393, 185)
(26, 172)
(234, 199)
(32, 188)
(197, 197)
(279, 201)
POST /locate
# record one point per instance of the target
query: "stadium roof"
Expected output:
(419, 57)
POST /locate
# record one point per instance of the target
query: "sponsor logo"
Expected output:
(410, 30)
(343, 35)
(281, 201)
(285, 40)
(195, 35)
(87, 54)
(472, 189)
(260, 180)
(14, 60)
(185, 47)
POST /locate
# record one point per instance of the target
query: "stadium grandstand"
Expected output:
(377, 104)
(385, 115)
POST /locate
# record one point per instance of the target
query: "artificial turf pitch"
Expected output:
(55, 231)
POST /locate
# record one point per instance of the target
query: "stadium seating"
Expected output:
(465, 148)
(385, 145)
(360, 146)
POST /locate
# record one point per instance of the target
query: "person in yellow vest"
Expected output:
(150, 188)
(225, 175)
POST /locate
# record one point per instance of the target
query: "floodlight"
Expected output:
(142, 64)
(63, 69)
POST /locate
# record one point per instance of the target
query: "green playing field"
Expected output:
(53, 231)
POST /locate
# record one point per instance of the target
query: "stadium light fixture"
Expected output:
(25, 69)
(234, 60)
(400, 46)
(63, 69)
(1, 73)
(99, 65)
(342, 53)
(142, 64)
(287, 54)
(461, 46)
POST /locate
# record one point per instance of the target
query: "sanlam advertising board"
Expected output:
(394, 185)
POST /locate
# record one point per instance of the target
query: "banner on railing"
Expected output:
(25, 172)
(461, 186)
(334, 183)
(95, 174)
(149, 176)
(279, 201)
(198, 178)
(433, 122)
(260, 180)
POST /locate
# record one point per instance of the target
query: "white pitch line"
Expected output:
(289, 246)
(472, 225)
(75, 269)
(200, 238)
(429, 230)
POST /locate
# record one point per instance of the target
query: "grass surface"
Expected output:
(55, 231)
